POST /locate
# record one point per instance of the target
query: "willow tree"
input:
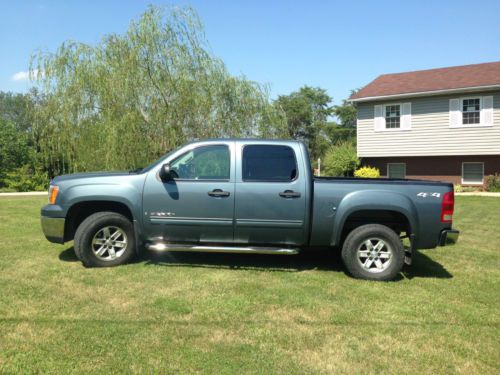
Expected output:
(126, 100)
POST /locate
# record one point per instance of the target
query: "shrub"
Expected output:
(458, 188)
(341, 160)
(492, 183)
(26, 178)
(367, 172)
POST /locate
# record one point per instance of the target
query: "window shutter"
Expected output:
(455, 113)
(379, 120)
(406, 116)
(487, 110)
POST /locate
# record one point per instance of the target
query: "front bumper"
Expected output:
(448, 237)
(53, 228)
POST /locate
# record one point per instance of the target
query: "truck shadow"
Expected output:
(322, 260)
(423, 266)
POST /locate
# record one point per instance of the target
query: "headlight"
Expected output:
(53, 191)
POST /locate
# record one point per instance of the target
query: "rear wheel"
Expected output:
(373, 252)
(105, 239)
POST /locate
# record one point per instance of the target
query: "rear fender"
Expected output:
(372, 200)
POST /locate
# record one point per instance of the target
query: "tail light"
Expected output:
(447, 207)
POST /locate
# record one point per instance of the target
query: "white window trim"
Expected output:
(475, 182)
(388, 164)
(461, 107)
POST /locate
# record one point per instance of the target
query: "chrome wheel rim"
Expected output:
(109, 243)
(374, 255)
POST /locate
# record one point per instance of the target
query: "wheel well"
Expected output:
(395, 220)
(80, 211)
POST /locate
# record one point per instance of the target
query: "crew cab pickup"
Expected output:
(247, 196)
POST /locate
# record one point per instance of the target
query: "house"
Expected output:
(439, 124)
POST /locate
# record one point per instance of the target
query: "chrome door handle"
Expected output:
(289, 194)
(219, 193)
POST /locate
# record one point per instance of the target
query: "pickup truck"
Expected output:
(247, 196)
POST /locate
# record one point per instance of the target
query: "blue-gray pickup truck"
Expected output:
(247, 196)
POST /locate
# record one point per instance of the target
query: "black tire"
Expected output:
(355, 240)
(90, 227)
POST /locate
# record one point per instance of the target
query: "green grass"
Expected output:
(220, 313)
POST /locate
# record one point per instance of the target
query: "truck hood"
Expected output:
(78, 176)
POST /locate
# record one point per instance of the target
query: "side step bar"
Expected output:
(161, 246)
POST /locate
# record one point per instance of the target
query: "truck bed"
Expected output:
(381, 180)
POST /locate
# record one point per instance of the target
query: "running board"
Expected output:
(221, 249)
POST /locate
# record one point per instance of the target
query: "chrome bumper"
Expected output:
(448, 237)
(53, 228)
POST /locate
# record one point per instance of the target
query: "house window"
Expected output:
(471, 111)
(396, 170)
(472, 173)
(392, 116)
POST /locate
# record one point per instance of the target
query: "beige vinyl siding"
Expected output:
(430, 133)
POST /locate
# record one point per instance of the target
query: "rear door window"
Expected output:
(269, 163)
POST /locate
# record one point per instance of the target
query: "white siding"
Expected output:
(430, 134)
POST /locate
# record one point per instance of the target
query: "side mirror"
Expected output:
(165, 173)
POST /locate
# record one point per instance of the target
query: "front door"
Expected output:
(197, 204)
(270, 196)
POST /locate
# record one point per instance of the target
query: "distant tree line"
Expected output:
(127, 100)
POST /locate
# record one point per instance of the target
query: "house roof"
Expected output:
(432, 81)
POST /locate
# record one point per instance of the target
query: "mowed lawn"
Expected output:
(220, 313)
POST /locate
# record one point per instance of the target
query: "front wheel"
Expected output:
(105, 239)
(373, 252)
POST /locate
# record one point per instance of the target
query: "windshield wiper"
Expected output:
(137, 170)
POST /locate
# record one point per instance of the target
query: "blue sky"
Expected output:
(334, 45)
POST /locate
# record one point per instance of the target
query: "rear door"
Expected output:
(270, 203)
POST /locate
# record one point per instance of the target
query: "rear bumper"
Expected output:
(448, 237)
(53, 228)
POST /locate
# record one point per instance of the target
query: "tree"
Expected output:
(15, 108)
(340, 160)
(306, 112)
(132, 97)
(13, 148)
(347, 112)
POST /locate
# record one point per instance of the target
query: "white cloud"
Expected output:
(24, 76)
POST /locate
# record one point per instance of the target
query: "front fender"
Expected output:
(372, 200)
(121, 193)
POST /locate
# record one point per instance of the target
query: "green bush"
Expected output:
(341, 160)
(27, 178)
(458, 188)
(492, 183)
(367, 172)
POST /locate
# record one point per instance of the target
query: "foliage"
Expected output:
(13, 148)
(367, 172)
(127, 100)
(346, 113)
(336, 133)
(492, 183)
(471, 189)
(340, 160)
(457, 188)
(15, 108)
(306, 112)
(27, 178)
